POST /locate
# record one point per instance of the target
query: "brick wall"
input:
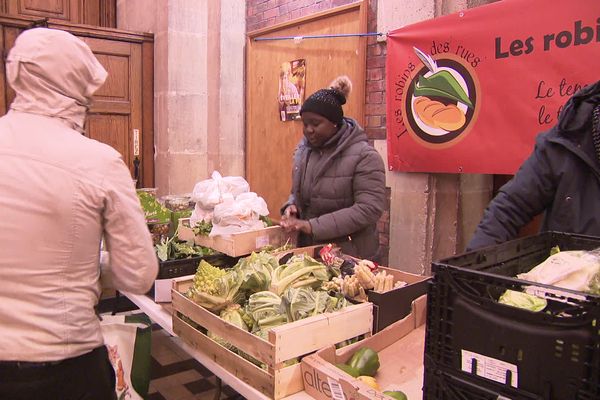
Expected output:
(265, 13)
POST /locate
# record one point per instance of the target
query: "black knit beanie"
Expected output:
(328, 102)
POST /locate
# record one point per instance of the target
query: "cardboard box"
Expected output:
(400, 348)
(286, 342)
(396, 304)
(161, 290)
(237, 244)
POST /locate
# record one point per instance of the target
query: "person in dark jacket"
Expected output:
(338, 179)
(561, 178)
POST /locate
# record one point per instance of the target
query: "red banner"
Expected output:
(468, 92)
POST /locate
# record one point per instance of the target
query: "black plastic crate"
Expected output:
(550, 355)
(188, 266)
(176, 268)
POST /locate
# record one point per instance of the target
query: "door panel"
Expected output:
(65, 10)
(89, 12)
(112, 116)
(112, 130)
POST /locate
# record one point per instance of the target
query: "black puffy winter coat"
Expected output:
(340, 189)
(561, 178)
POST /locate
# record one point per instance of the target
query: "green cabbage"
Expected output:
(233, 315)
(305, 302)
(265, 309)
(300, 270)
(523, 300)
(255, 271)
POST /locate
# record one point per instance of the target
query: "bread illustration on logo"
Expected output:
(439, 99)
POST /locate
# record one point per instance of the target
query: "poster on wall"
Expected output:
(291, 89)
(469, 92)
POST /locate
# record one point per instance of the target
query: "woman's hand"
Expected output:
(292, 224)
(290, 211)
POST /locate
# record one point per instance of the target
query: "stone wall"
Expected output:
(198, 97)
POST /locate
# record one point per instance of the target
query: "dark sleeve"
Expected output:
(529, 193)
(291, 200)
(369, 201)
(296, 161)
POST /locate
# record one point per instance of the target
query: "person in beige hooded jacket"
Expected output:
(60, 193)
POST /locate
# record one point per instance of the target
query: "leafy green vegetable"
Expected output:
(442, 84)
(305, 302)
(233, 315)
(202, 228)
(256, 271)
(300, 270)
(272, 249)
(266, 220)
(226, 292)
(173, 249)
(265, 309)
(523, 300)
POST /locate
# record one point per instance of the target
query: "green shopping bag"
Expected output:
(128, 341)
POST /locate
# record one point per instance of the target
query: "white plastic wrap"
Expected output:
(210, 192)
(200, 214)
(241, 214)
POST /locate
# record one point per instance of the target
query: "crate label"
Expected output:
(336, 389)
(262, 241)
(490, 368)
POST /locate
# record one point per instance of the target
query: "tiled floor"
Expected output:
(176, 376)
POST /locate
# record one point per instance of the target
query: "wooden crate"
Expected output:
(400, 348)
(237, 244)
(285, 342)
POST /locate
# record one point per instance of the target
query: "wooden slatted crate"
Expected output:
(237, 244)
(285, 343)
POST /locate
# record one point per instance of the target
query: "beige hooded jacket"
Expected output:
(60, 192)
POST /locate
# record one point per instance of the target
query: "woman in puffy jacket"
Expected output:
(338, 178)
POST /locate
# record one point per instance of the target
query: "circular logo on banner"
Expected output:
(442, 101)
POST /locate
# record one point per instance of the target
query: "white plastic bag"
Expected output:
(239, 215)
(210, 192)
(200, 214)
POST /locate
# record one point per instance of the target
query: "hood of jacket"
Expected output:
(577, 112)
(54, 74)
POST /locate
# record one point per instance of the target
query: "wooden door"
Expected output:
(89, 12)
(64, 10)
(270, 142)
(115, 117)
(121, 114)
